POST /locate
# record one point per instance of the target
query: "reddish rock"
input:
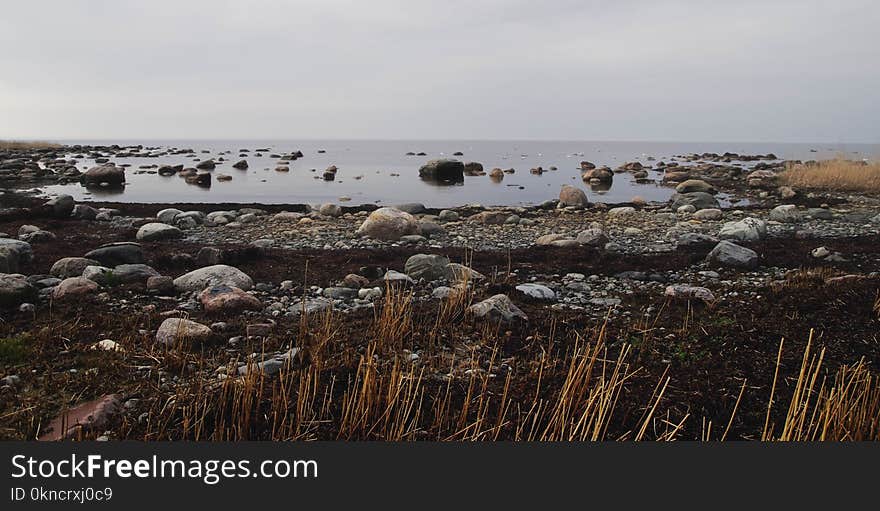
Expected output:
(74, 287)
(223, 298)
(82, 419)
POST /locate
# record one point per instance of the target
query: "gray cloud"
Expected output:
(780, 70)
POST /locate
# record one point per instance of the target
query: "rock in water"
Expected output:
(388, 224)
(443, 170)
(216, 275)
(571, 196)
(174, 331)
(108, 174)
(158, 231)
(731, 254)
(499, 309)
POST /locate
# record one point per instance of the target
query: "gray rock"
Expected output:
(731, 254)
(330, 210)
(158, 231)
(60, 207)
(176, 331)
(395, 277)
(166, 216)
(747, 229)
(134, 273)
(593, 237)
(340, 293)
(312, 306)
(498, 308)
(114, 254)
(537, 291)
(388, 224)
(15, 290)
(84, 212)
(699, 200)
(429, 266)
(218, 274)
(413, 208)
(690, 239)
(684, 292)
(786, 213)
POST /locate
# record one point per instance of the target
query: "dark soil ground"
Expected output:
(708, 353)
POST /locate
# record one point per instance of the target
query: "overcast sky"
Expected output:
(774, 70)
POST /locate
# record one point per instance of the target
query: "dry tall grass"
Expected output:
(846, 408)
(30, 144)
(837, 175)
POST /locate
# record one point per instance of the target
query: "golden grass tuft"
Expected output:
(836, 175)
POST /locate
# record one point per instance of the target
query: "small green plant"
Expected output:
(14, 350)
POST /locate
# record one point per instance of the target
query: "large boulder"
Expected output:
(114, 254)
(176, 331)
(443, 170)
(15, 290)
(107, 174)
(571, 196)
(227, 299)
(156, 231)
(699, 200)
(429, 266)
(71, 266)
(499, 309)
(388, 224)
(216, 275)
(747, 229)
(73, 288)
(730, 254)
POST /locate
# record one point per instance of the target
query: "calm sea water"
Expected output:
(380, 172)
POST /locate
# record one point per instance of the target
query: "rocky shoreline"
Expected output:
(236, 282)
